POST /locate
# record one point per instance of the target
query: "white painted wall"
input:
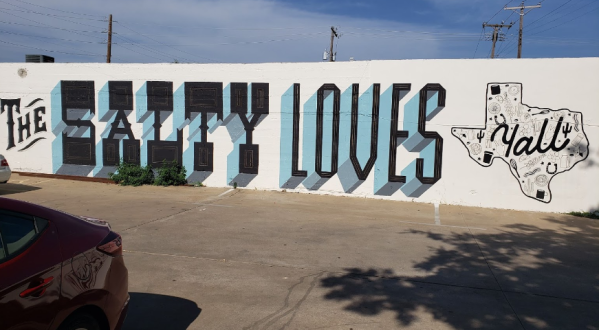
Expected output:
(547, 83)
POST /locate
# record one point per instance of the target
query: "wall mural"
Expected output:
(334, 133)
(349, 135)
(30, 124)
(536, 143)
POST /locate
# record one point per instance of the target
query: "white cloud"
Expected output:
(192, 31)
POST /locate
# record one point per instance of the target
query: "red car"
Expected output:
(59, 271)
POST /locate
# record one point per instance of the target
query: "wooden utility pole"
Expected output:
(333, 35)
(496, 36)
(109, 44)
(521, 8)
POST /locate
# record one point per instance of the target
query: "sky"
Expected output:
(256, 31)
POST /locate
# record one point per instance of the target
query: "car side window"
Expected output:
(17, 232)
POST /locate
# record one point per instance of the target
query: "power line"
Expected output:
(416, 32)
(46, 25)
(63, 11)
(482, 31)
(131, 42)
(128, 28)
(233, 43)
(551, 28)
(24, 10)
(44, 37)
(48, 50)
(562, 16)
(499, 11)
(66, 20)
(144, 54)
(549, 13)
(52, 27)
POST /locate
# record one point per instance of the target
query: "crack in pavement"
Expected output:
(168, 217)
(278, 315)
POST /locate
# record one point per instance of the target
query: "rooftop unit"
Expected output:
(38, 59)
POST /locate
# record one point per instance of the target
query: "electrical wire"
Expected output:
(44, 37)
(162, 54)
(25, 10)
(195, 55)
(499, 10)
(232, 43)
(549, 13)
(50, 27)
(63, 11)
(46, 25)
(577, 17)
(144, 54)
(478, 43)
(49, 50)
(62, 19)
(560, 17)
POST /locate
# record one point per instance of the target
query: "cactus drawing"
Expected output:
(480, 136)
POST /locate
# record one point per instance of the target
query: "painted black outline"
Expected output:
(24, 127)
(203, 110)
(158, 103)
(319, 129)
(395, 134)
(438, 162)
(106, 143)
(521, 101)
(33, 102)
(86, 99)
(249, 153)
(374, 131)
(136, 152)
(10, 121)
(295, 171)
(32, 143)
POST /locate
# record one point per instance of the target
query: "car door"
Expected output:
(30, 271)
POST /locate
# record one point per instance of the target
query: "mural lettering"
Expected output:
(12, 107)
(536, 143)
(120, 94)
(79, 136)
(345, 139)
(352, 135)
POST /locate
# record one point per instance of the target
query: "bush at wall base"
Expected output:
(171, 174)
(127, 174)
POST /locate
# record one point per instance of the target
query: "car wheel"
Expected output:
(81, 321)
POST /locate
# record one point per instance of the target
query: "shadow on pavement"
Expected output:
(154, 311)
(15, 188)
(520, 276)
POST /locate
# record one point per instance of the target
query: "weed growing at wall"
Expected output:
(590, 215)
(171, 174)
(127, 174)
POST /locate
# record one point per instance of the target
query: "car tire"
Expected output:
(4, 181)
(81, 321)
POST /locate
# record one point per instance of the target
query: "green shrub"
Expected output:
(171, 174)
(127, 174)
(590, 215)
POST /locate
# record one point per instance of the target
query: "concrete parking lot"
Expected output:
(217, 258)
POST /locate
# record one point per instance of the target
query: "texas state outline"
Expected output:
(536, 143)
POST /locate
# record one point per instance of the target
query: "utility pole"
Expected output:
(496, 36)
(521, 8)
(109, 44)
(333, 35)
